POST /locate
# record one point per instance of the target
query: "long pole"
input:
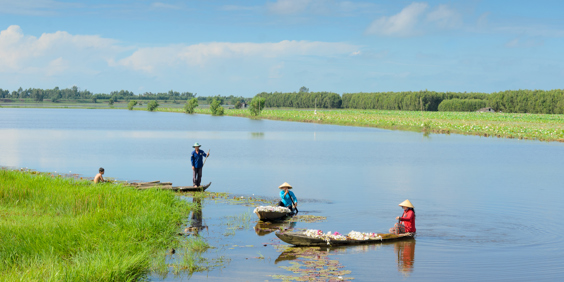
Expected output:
(206, 158)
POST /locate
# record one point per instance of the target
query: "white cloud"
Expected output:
(401, 24)
(51, 52)
(524, 43)
(151, 59)
(287, 7)
(445, 17)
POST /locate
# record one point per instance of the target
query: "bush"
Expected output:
(131, 104)
(111, 102)
(257, 105)
(151, 106)
(238, 105)
(190, 105)
(216, 108)
(461, 105)
(94, 100)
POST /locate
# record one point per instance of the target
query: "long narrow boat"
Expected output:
(168, 186)
(298, 238)
(272, 215)
(191, 188)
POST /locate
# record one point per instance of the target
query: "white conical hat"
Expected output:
(406, 203)
(285, 184)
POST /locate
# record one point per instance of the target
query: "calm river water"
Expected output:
(487, 209)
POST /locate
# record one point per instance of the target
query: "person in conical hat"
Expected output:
(408, 217)
(289, 200)
(197, 159)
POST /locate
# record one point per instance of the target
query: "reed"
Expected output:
(62, 229)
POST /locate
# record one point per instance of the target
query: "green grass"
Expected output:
(522, 126)
(62, 229)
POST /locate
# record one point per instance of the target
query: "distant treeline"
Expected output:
(511, 101)
(327, 100)
(75, 94)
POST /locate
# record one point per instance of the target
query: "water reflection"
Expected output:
(406, 256)
(196, 223)
(264, 228)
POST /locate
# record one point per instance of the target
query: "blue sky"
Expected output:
(246, 47)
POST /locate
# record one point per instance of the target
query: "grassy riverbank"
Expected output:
(522, 126)
(63, 229)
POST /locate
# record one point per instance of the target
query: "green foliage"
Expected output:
(94, 100)
(304, 89)
(528, 101)
(406, 101)
(111, 102)
(238, 104)
(216, 108)
(461, 105)
(152, 105)
(131, 104)
(89, 233)
(190, 105)
(257, 105)
(326, 100)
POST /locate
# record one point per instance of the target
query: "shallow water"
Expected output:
(487, 209)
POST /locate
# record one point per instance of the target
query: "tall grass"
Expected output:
(61, 229)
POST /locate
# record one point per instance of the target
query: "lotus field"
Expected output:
(542, 127)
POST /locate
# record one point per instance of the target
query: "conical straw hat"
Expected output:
(285, 184)
(406, 203)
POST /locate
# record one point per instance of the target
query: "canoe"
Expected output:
(272, 215)
(191, 188)
(297, 238)
(168, 186)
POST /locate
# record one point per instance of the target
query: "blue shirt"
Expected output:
(198, 158)
(286, 200)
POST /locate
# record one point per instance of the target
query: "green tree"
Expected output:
(257, 105)
(151, 106)
(304, 89)
(111, 101)
(238, 104)
(190, 105)
(216, 108)
(131, 104)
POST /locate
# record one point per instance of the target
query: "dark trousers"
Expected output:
(280, 204)
(197, 176)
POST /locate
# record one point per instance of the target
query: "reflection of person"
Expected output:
(408, 217)
(406, 256)
(197, 160)
(287, 197)
(99, 177)
(197, 213)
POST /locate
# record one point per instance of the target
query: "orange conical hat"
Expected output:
(406, 203)
(285, 184)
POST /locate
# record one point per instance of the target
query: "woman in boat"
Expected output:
(289, 200)
(408, 217)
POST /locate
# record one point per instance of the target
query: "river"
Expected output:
(487, 208)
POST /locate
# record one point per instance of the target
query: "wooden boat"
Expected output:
(272, 215)
(298, 238)
(168, 186)
(191, 188)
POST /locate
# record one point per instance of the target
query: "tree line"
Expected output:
(510, 101)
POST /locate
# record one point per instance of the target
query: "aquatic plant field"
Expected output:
(521, 126)
(56, 228)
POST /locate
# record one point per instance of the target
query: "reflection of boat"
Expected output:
(168, 186)
(263, 228)
(300, 239)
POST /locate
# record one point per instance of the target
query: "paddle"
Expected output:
(291, 199)
(206, 158)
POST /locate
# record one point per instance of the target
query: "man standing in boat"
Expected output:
(197, 159)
